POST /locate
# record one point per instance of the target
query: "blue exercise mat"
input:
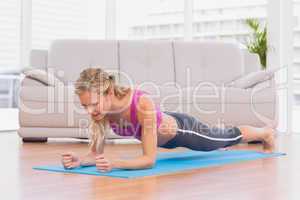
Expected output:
(171, 162)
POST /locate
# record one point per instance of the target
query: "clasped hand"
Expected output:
(71, 160)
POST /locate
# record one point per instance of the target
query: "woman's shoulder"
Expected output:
(144, 101)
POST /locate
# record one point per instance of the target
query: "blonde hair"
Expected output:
(95, 79)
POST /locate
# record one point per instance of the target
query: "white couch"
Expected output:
(182, 76)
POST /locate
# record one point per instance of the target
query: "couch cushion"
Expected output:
(161, 95)
(70, 57)
(215, 62)
(60, 107)
(146, 62)
(209, 95)
(260, 114)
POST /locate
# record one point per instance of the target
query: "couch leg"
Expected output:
(35, 140)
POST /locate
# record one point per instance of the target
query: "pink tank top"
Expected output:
(134, 128)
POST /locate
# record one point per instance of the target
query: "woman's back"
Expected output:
(134, 127)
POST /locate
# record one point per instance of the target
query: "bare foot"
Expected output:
(268, 140)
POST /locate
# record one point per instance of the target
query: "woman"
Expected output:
(131, 112)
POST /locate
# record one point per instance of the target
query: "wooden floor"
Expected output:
(273, 178)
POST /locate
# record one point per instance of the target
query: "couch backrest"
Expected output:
(146, 62)
(72, 56)
(197, 62)
(154, 61)
(251, 62)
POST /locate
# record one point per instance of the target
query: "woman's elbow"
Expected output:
(150, 163)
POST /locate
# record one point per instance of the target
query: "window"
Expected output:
(10, 34)
(297, 40)
(158, 19)
(296, 66)
(225, 19)
(59, 19)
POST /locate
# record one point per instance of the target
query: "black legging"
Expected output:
(195, 135)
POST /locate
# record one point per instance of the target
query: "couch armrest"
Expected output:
(27, 81)
(45, 93)
(43, 77)
(261, 87)
(252, 79)
(268, 79)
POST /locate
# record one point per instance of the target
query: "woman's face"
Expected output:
(96, 105)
